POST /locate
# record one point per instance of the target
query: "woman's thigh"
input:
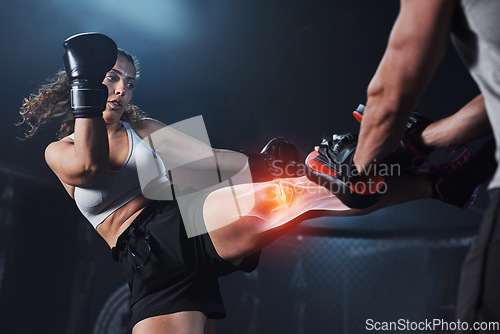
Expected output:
(188, 322)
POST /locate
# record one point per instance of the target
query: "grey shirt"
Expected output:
(476, 35)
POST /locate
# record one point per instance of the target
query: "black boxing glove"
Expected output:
(87, 59)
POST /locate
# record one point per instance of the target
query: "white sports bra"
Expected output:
(118, 187)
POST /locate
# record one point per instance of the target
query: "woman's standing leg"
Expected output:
(189, 322)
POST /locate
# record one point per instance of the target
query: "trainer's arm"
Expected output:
(469, 123)
(416, 46)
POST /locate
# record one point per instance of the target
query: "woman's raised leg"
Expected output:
(268, 210)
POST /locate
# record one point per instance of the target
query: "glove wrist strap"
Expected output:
(88, 102)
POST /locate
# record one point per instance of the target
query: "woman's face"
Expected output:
(120, 81)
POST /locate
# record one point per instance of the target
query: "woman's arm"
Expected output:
(82, 161)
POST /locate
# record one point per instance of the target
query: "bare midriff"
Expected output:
(117, 222)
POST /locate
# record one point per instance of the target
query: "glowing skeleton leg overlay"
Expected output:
(272, 203)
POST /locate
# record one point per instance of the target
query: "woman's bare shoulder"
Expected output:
(56, 154)
(147, 126)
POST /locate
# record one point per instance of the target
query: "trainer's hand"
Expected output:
(414, 128)
(87, 59)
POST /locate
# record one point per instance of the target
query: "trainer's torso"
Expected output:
(476, 35)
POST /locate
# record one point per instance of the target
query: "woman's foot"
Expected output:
(278, 159)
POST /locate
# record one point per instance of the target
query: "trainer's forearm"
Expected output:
(382, 128)
(469, 123)
(416, 46)
(392, 95)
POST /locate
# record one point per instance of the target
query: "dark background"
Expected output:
(253, 69)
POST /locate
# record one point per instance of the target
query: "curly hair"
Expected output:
(53, 101)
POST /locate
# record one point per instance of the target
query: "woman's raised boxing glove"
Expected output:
(88, 57)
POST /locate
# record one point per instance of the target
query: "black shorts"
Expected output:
(479, 294)
(168, 272)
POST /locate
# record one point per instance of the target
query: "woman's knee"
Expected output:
(188, 322)
(273, 198)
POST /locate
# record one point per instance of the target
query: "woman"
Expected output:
(173, 277)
